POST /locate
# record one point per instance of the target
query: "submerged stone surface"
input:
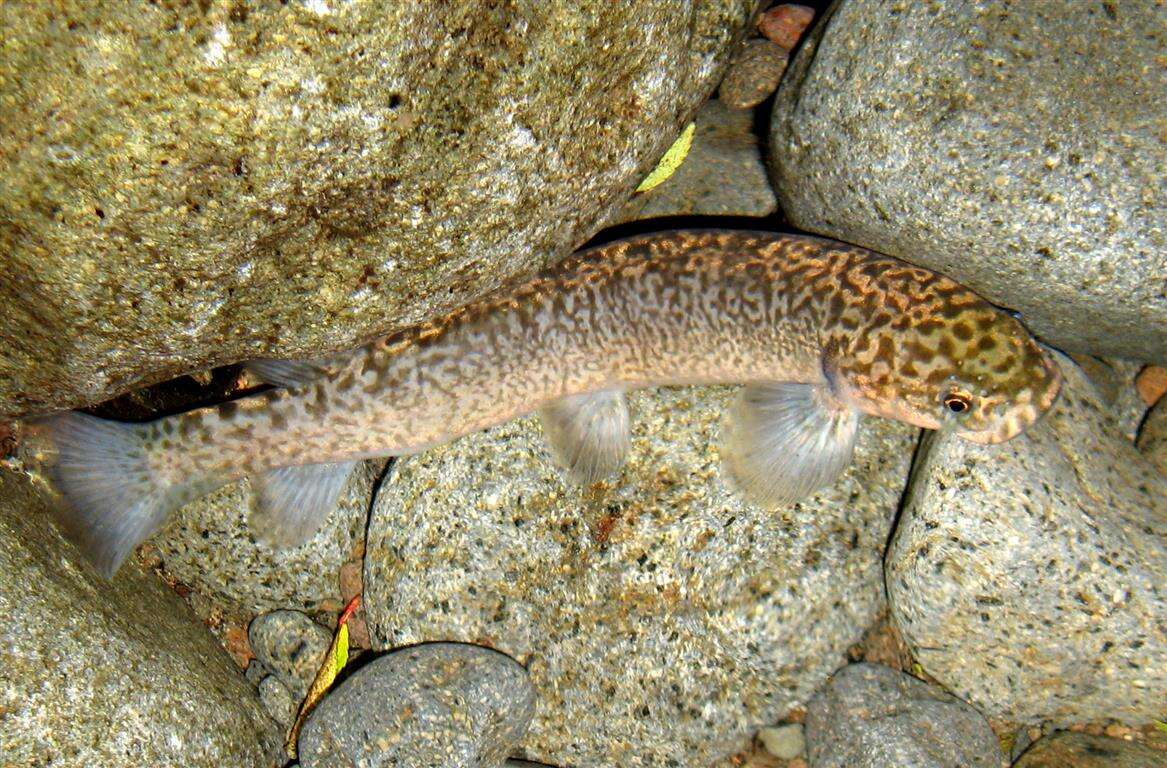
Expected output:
(118, 673)
(872, 716)
(1030, 578)
(194, 184)
(209, 546)
(661, 618)
(441, 705)
(723, 174)
(1016, 147)
(1079, 750)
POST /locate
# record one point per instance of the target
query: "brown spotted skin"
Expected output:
(686, 307)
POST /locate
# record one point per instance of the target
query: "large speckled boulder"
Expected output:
(661, 618)
(439, 705)
(1030, 578)
(1153, 436)
(209, 546)
(115, 674)
(195, 183)
(1016, 147)
(872, 716)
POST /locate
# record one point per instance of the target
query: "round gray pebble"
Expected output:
(291, 645)
(441, 705)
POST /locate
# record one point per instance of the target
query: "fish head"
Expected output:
(967, 368)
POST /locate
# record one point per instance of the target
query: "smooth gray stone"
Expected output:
(441, 705)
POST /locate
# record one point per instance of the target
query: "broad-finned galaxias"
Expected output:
(818, 331)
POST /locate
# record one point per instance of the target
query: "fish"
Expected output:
(820, 334)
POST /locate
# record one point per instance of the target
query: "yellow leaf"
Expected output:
(334, 662)
(1162, 726)
(672, 160)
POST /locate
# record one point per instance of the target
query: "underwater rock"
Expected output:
(442, 705)
(871, 716)
(280, 703)
(752, 75)
(784, 741)
(1153, 436)
(662, 619)
(292, 646)
(724, 147)
(1067, 749)
(209, 546)
(785, 24)
(117, 674)
(1016, 148)
(194, 184)
(1030, 578)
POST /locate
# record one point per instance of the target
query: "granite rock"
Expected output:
(190, 184)
(784, 741)
(753, 74)
(871, 716)
(441, 705)
(292, 646)
(1030, 578)
(209, 546)
(1066, 749)
(724, 148)
(661, 618)
(118, 673)
(1015, 147)
(281, 704)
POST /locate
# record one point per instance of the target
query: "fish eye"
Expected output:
(957, 402)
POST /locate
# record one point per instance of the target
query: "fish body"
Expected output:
(819, 331)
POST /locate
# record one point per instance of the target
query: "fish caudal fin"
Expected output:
(589, 434)
(292, 502)
(114, 502)
(788, 440)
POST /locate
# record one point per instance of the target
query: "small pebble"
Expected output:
(784, 741)
(753, 75)
(1151, 383)
(291, 645)
(784, 24)
(278, 700)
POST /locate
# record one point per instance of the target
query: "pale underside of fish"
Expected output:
(818, 331)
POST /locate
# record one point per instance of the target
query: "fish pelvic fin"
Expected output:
(287, 373)
(114, 500)
(787, 440)
(291, 503)
(589, 434)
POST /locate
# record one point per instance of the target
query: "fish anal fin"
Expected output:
(787, 440)
(589, 433)
(291, 503)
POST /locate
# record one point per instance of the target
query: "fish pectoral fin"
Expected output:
(589, 434)
(287, 373)
(786, 440)
(291, 503)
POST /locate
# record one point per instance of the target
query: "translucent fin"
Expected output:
(113, 502)
(787, 440)
(292, 502)
(287, 373)
(589, 434)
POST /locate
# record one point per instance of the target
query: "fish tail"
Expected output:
(115, 500)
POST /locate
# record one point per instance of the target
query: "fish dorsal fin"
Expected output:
(287, 373)
(291, 503)
(787, 440)
(589, 434)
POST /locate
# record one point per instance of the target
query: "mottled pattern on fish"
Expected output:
(874, 334)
